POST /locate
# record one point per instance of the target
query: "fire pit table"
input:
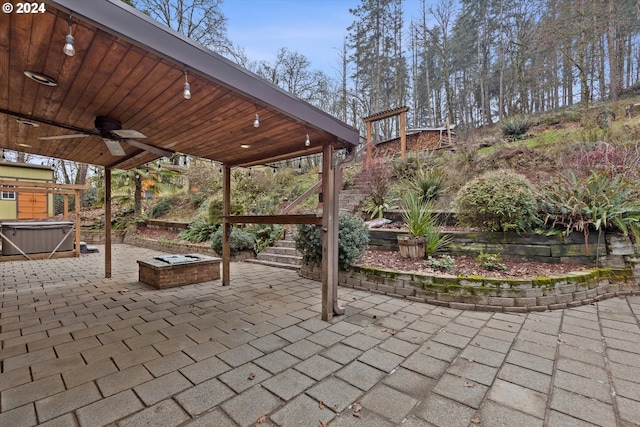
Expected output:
(168, 271)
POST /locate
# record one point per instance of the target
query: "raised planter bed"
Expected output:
(609, 249)
(489, 294)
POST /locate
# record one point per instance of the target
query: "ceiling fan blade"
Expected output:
(150, 148)
(128, 133)
(70, 136)
(114, 147)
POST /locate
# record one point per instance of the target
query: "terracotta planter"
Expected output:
(411, 247)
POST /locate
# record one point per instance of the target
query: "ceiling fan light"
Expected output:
(69, 44)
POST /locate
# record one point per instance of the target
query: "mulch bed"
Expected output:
(467, 266)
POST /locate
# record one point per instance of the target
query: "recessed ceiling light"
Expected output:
(41, 78)
(245, 145)
(22, 144)
(27, 123)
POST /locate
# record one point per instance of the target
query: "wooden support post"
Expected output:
(403, 134)
(329, 237)
(226, 225)
(107, 222)
(77, 222)
(65, 207)
(337, 185)
(367, 161)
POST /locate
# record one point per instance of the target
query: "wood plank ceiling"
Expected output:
(139, 83)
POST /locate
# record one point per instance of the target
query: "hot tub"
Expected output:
(35, 237)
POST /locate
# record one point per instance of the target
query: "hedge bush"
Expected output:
(353, 239)
(239, 240)
(497, 201)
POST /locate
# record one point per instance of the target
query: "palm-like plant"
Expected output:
(422, 222)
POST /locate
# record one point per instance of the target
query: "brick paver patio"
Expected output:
(82, 350)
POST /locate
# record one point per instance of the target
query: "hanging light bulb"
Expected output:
(69, 42)
(307, 142)
(256, 119)
(187, 88)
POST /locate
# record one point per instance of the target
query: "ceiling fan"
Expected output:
(112, 134)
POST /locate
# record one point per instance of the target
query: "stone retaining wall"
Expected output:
(608, 249)
(487, 294)
(97, 237)
(182, 247)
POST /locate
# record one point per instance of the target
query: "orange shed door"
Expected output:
(32, 205)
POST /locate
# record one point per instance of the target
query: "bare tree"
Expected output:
(200, 20)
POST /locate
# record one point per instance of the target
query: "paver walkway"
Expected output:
(82, 350)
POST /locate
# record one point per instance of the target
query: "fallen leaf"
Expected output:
(251, 376)
(470, 359)
(322, 424)
(158, 408)
(475, 420)
(357, 415)
(260, 420)
(212, 339)
(321, 405)
(468, 384)
(561, 341)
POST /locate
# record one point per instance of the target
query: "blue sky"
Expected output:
(314, 28)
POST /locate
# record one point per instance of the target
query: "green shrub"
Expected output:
(266, 235)
(162, 208)
(353, 239)
(497, 201)
(598, 201)
(491, 261)
(239, 240)
(442, 263)
(515, 126)
(199, 231)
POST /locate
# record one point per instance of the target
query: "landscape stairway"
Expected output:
(351, 199)
(282, 254)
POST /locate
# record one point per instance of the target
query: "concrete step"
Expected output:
(282, 250)
(285, 243)
(284, 259)
(272, 264)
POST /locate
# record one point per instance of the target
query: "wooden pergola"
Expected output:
(369, 120)
(128, 72)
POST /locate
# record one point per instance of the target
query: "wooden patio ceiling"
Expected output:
(130, 68)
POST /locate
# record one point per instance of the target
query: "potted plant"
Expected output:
(418, 219)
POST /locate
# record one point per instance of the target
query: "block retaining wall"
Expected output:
(182, 247)
(487, 294)
(608, 249)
